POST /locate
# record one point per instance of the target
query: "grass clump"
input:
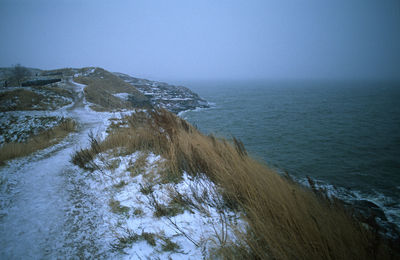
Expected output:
(146, 189)
(167, 174)
(149, 237)
(133, 171)
(38, 142)
(116, 207)
(139, 165)
(124, 241)
(169, 246)
(141, 162)
(138, 212)
(113, 164)
(120, 184)
(170, 210)
(131, 237)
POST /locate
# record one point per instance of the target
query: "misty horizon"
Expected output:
(229, 40)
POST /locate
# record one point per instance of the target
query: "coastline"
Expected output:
(153, 166)
(372, 208)
(210, 105)
(210, 158)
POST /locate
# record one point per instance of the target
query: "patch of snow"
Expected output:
(194, 230)
(180, 99)
(123, 96)
(17, 127)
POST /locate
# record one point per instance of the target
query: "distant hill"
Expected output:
(105, 91)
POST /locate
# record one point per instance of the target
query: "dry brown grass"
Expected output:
(101, 85)
(285, 220)
(25, 99)
(54, 90)
(42, 140)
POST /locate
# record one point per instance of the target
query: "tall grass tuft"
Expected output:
(285, 220)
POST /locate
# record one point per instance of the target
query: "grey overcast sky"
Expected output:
(208, 39)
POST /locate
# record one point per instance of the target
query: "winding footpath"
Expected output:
(46, 211)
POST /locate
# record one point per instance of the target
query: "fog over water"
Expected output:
(226, 39)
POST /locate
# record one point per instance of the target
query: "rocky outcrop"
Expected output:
(173, 98)
(374, 216)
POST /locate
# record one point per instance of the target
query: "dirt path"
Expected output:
(45, 209)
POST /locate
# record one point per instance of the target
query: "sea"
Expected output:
(345, 135)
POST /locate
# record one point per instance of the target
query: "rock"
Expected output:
(173, 98)
(367, 209)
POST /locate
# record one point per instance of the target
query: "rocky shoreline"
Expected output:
(368, 213)
(162, 95)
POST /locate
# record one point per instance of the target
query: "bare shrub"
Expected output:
(20, 73)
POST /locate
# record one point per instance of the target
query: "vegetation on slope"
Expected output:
(37, 98)
(103, 85)
(40, 141)
(284, 220)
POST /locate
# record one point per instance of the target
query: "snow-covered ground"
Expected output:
(143, 217)
(45, 211)
(17, 127)
(123, 96)
(42, 98)
(51, 209)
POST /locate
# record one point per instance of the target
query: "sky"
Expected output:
(207, 39)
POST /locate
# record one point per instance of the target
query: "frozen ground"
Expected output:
(51, 209)
(17, 127)
(143, 216)
(43, 201)
(41, 98)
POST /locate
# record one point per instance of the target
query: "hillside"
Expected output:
(95, 166)
(107, 92)
(104, 91)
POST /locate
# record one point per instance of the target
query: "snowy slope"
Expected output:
(42, 202)
(50, 208)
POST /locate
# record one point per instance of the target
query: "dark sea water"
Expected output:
(344, 135)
